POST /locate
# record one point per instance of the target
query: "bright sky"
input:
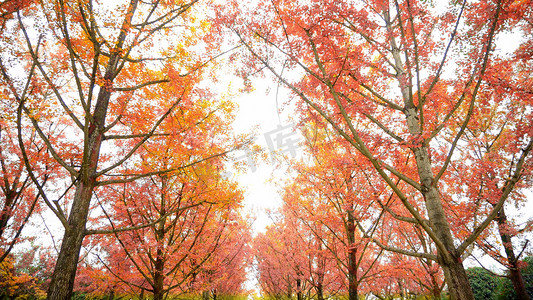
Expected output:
(258, 113)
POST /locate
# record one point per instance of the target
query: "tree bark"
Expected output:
(159, 264)
(289, 287)
(320, 291)
(64, 273)
(448, 258)
(435, 286)
(320, 273)
(352, 259)
(159, 276)
(205, 295)
(514, 271)
(299, 295)
(450, 261)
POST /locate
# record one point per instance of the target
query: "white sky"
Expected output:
(258, 113)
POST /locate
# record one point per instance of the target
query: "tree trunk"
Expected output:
(6, 212)
(514, 271)
(435, 286)
(158, 276)
(159, 264)
(321, 266)
(299, 294)
(454, 273)
(289, 287)
(320, 291)
(205, 295)
(451, 263)
(65, 269)
(352, 260)
(64, 273)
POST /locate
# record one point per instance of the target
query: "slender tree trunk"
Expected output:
(159, 276)
(450, 261)
(352, 259)
(299, 294)
(320, 273)
(435, 286)
(514, 271)
(205, 295)
(64, 273)
(320, 291)
(65, 269)
(159, 264)
(289, 287)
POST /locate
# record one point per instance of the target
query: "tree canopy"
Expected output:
(116, 122)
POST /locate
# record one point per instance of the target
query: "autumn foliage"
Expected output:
(116, 130)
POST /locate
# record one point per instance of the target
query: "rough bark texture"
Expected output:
(352, 261)
(159, 264)
(299, 294)
(514, 271)
(62, 282)
(159, 276)
(451, 262)
(320, 274)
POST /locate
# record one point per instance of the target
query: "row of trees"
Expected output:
(336, 235)
(418, 130)
(417, 135)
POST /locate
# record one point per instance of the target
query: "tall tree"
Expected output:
(110, 75)
(331, 191)
(190, 218)
(401, 82)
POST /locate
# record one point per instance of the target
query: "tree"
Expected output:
(401, 81)
(281, 265)
(18, 199)
(223, 275)
(485, 146)
(108, 76)
(506, 289)
(332, 192)
(17, 285)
